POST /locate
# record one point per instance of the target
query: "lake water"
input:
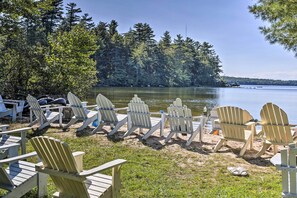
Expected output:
(248, 97)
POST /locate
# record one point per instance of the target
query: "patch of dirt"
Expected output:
(198, 153)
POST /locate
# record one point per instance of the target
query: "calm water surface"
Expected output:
(248, 97)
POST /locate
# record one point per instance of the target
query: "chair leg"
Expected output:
(169, 136)
(71, 122)
(42, 184)
(119, 125)
(219, 144)
(98, 128)
(33, 122)
(264, 148)
(242, 151)
(44, 125)
(193, 135)
(130, 131)
(151, 131)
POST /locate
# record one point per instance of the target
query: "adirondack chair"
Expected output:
(139, 116)
(109, 115)
(236, 125)
(20, 177)
(275, 127)
(81, 113)
(66, 170)
(44, 115)
(181, 121)
(10, 144)
(16, 110)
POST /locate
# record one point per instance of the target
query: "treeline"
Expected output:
(44, 50)
(257, 81)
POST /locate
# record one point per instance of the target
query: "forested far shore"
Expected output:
(46, 49)
(257, 81)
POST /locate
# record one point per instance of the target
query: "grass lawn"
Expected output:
(172, 170)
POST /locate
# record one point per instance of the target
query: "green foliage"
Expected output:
(70, 63)
(282, 19)
(44, 51)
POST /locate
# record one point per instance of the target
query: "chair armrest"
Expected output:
(4, 127)
(16, 130)
(197, 117)
(123, 108)
(157, 113)
(11, 103)
(20, 102)
(17, 158)
(217, 121)
(250, 123)
(7, 146)
(90, 106)
(50, 107)
(103, 167)
(78, 157)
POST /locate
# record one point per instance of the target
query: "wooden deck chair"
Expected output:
(109, 115)
(66, 170)
(236, 125)
(16, 109)
(139, 116)
(10, 144)
(275, 128)
(20, 177)
(44, 115)
(81, 113)
(181, 121)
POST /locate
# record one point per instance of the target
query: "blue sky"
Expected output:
(226, 24)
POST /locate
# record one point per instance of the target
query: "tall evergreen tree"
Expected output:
(72, 18)
(51, 15)
(87, 21)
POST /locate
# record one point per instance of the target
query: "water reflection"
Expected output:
(251, 98)
(160, 98)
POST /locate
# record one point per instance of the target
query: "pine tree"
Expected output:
(72, 18)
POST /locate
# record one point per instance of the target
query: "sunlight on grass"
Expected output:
(164, 173)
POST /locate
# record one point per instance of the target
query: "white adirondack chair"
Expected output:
(16, 110)
(237, 126)
(275, 127)
(20, 177)
(81, 113)
(66, 170)
(10, 144)
(139, 116)
(181, 121)
(109, 115)
(44, 115)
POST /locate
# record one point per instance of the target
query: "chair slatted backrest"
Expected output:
(180, 117)
(139, 113)
(77, 107)
(56, 155)
(232, 122)
(275, 124)
(35, 107)
(106, 109)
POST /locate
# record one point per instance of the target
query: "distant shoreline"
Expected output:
(258, 81)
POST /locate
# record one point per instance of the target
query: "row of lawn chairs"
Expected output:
(138, 117)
